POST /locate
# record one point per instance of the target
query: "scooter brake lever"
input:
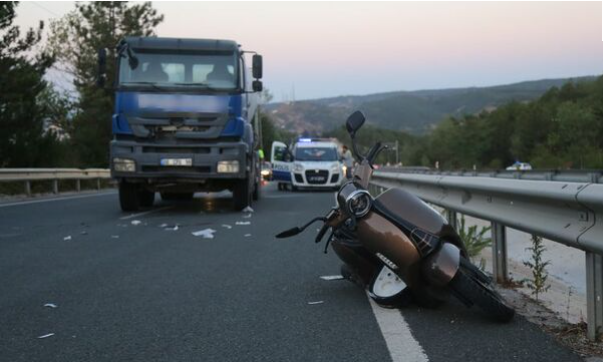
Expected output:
(321, 233)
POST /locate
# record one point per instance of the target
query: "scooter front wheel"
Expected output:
(469, 288)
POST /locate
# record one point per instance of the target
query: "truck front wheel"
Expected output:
(129, 196)
(146, 197)
(241, 194)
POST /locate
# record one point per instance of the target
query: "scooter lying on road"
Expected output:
(399, 248)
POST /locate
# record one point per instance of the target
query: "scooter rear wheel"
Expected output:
(470, 289)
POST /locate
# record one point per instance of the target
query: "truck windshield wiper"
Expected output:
(204, 85)
(155, 86)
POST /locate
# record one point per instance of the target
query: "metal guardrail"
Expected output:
(568, 212)
(27, 175)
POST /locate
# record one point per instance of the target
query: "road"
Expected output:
(146, 292)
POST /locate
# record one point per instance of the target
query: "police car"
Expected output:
(310, 163)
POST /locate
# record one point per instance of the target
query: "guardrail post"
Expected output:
(28, 188)
(55, 186)
(452, 219)
(78, 185)
(499, 252)
(98, 184)
(594, 294)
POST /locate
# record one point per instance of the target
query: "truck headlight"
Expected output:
(298, 167)
(228, 166)
(124, 165)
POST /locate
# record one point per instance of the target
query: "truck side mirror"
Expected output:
(101, 75)
(257, 86)
(257, 66)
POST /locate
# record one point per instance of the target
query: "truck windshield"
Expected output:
(212, 71)
(316, 154)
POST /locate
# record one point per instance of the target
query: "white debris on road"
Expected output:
(67, 238)
(175, 228)
(136, 222)
(114, 236)
(205, 233)
(163, 225)
(247, 235)
(246, 216)
(331, 277)
(46, 336)
(243, 223)
(317, 302)
(227, 226)
(247, 209)
(50, 305)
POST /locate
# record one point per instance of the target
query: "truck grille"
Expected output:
(174, 126)
(317, 177)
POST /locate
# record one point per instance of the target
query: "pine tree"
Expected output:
(22, 137)
(75, 41)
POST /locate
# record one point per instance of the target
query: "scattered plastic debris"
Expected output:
(114, 236)
(50, 305)
(247, 216)
(136, 222)
(175, 228)
(163, 226)
(46, 336)
(205, 233)
(66, 238)
(247, 209)
(247, 235)
(331, 277)
(243, 223)
(227, 226)
(317, 302)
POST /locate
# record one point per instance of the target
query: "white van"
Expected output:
(311, 163)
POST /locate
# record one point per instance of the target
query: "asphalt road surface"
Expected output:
(136, 288)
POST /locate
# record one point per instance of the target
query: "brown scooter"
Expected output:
(398, 247)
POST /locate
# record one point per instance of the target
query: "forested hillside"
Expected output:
(416, 112)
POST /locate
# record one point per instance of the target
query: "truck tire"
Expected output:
(146, 197)
(242, 194)
(129, 196)
(256, 191)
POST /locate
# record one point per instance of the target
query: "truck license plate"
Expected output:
(177, 162)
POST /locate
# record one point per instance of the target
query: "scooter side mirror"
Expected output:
(354, 122)
(288, 233)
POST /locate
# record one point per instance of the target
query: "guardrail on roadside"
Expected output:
(567, 212)
(27, 175)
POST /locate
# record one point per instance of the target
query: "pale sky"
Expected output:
(323, 49)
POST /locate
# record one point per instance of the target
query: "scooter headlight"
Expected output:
(359, 203)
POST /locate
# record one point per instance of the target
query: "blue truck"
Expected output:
(186, 119)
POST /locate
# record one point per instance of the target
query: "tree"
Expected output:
(23, 142)
(75, 41)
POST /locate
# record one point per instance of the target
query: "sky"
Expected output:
(326, 49)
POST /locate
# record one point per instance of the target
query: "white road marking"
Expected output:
(145, 213)
(29, 202)
(401, 344)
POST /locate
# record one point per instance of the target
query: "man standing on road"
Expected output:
(348, 161)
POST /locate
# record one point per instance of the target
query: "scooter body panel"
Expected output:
(440, 267)
(391, 245)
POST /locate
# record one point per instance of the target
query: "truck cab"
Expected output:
(185, 120)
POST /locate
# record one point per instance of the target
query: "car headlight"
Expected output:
(298, 167)
(335, 168)
(124, 165)
(359, 203)
(228, 166)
